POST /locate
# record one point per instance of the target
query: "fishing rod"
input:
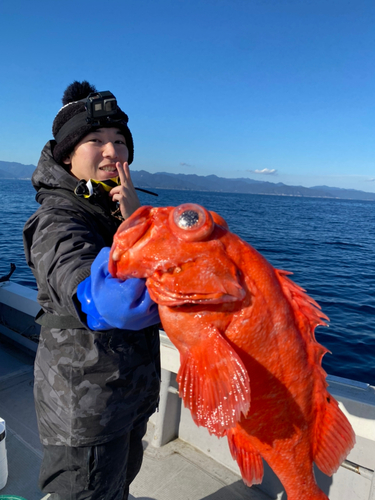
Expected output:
(145, 191)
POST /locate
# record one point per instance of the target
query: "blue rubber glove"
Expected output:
(111, 303)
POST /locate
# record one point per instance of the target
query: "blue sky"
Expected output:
(277, 90)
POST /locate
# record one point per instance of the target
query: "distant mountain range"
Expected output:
(192, 182)
(13, 170)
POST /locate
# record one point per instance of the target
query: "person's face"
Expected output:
(95, 157)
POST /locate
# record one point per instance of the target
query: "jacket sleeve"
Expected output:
(60, 246)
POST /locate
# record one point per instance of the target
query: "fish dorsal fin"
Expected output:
(308, 316)
(333, 434)
(307, 311)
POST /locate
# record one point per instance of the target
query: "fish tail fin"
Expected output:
(214, 383)
(248, 458)
(334, 437)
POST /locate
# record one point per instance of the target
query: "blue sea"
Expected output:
(328, 244)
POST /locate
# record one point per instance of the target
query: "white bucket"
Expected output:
(3, 456)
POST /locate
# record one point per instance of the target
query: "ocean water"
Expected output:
(328, 244)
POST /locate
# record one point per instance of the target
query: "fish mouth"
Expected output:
(191, 284)
(172, 299)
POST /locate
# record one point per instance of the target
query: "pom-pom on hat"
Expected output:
(70, 125)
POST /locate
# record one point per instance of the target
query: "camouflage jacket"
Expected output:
(90, 387)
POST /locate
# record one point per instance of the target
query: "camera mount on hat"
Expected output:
(99, 106)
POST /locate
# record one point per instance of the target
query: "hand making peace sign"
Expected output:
(125, 194)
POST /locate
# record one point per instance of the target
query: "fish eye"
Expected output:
(188, 219)
(191, 222)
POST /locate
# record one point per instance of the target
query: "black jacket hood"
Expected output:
(49, 174)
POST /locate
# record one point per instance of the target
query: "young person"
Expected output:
(97, 368)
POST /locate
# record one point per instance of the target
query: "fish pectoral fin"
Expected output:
(246, 455)
(334, 437)
(214, 383)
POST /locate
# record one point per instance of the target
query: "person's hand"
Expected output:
(125, 194)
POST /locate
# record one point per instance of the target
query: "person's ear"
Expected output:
(67, 160)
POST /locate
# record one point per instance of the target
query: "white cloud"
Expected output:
(183, 164)
(265, 171)
(371, 180)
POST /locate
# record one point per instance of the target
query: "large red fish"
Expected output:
(250, 364)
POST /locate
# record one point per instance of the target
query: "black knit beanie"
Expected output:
(70, 126)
